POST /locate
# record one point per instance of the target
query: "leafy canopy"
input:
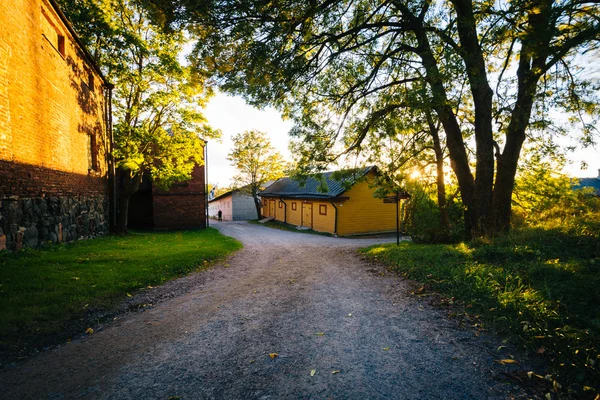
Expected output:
(256, 160)
(492, 72)
(157, 100)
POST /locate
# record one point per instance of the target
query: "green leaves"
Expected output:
(255, 160)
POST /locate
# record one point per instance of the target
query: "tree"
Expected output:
(158, 127)
(257, 162)
(493, 71)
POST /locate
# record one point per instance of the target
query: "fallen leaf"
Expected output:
(320, 333)
(500, 348)
(252, 361)
(89, 331)
(541, 350)
(273, 355)
(350, 314)
(506, 361)
(313, 372)
(128, 295)
(75, 278)
(385, 348)
(335, 371)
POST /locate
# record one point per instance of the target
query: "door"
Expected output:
(307, 216)
(271, 208)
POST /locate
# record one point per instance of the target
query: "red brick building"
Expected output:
(54, 141)
(183, 206)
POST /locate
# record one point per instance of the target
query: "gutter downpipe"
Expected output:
(112, 175)
(335, 219)
(284, 209)
(206, 182)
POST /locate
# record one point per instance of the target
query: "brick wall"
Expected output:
(22, 180)
(51, 123)
(50, 103)
(182, 206)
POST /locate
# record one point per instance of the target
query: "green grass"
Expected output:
(42, 290)
(542, 288)
(287, 227)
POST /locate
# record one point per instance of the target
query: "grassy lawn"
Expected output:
(542, 288)
(42, 290)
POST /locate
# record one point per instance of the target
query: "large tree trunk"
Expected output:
(472, 55)
(123, 212)
(130, 185)
(439, 161)
(256, 202)
(532, 65)
(459, 161)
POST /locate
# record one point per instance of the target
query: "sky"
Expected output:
(232, 115)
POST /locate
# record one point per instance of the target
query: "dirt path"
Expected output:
(308, 298)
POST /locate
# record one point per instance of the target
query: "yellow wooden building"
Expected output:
(347, 208)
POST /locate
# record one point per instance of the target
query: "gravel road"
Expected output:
(341, 328)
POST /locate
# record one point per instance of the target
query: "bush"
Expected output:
(422, 218)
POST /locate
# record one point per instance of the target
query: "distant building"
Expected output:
(183, 206)
(346, 208)
(54, 141)
(593, 183)
(235, 206)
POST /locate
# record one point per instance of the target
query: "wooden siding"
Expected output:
(294, 217)
(297, 217)
(363, 213)
(323, 223)
(360, 213)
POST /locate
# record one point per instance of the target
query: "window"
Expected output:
(92, 153)
(293, 206)
(323, 209)
(52, 33)
(280, 204)
(90, 81)
(60, 42)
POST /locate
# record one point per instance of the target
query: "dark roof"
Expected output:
(288, 187)
(593, 183)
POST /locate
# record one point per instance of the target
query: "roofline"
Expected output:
(307, 197)
(222, 195)
(368, 169)
(86, 53)
(316, 196)
(298, 196)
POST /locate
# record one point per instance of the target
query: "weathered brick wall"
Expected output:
(51, 123)
(183, 206)
(47, 107)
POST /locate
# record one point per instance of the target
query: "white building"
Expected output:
(235, 206)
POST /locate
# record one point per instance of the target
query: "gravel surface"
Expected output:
(341, 328)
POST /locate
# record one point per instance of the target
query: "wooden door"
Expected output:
(271, 208)
(307, 216)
